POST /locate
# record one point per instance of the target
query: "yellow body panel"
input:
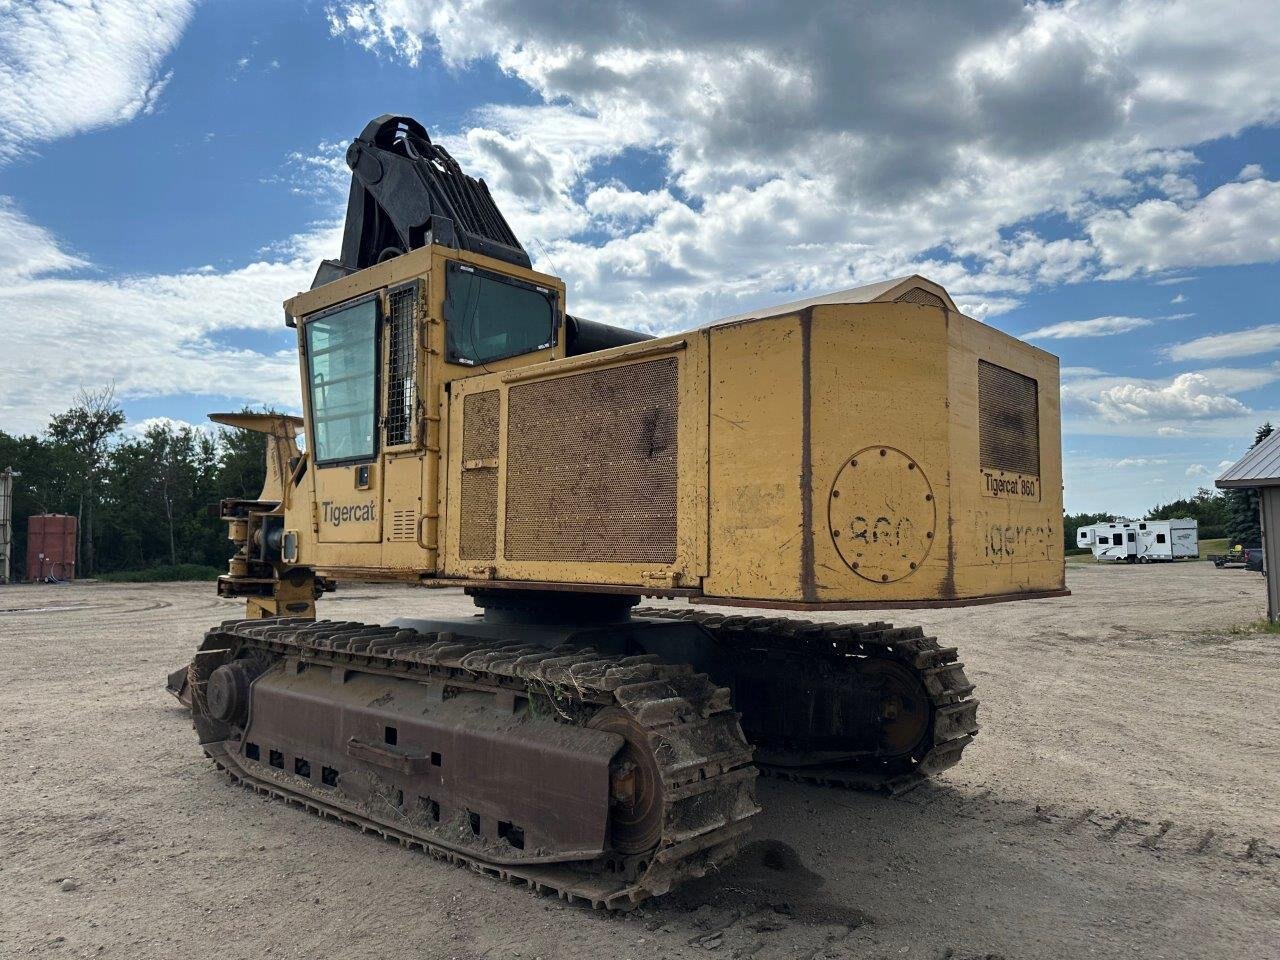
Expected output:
(756, 455)
(828, 454)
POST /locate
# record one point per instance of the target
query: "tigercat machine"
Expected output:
(872, 448)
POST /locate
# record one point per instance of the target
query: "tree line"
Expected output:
(141, 501)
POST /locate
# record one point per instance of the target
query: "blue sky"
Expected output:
(1100, 178)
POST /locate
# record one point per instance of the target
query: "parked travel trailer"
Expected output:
(1168, 540)
(1141, 541)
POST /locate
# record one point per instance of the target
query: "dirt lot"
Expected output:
(1123, 799)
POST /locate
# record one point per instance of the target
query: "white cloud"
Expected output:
(1177, 187)
(26, 249)
(1235, 224)
(1171, 432)
(1197, 470)
(1240, 379)
(1240, 343)
(1097, 327)
(1179, 298)
(67, 67)
(1223, 464)
(152, 335)
(139, 428)
(1072, 372)
(1251, 171)
(1188, 396)
(615, 202)
(1137, 462)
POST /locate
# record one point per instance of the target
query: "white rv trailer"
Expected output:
(1168, 540)
(1141, 541)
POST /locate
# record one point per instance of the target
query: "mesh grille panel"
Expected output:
(478, 521)
(921, 296)
(401, 385)
(1008, 421)
(591, 466)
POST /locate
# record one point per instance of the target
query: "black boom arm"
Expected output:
(407, 192)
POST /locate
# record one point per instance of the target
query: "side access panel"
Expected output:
(590, 470)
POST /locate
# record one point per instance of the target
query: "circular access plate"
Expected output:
(882, 514)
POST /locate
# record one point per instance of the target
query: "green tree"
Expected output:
(1073, 522)
(161, 487)
(1209, 508)
(83, 437)
(144, 500)
(243, 461)
(1244, 526)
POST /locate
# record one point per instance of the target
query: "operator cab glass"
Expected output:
(341, 351)
(492, 317)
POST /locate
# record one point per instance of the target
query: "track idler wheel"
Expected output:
(227, 694)
(635, 785)
(904, 707)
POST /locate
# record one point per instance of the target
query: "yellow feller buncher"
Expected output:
(871, 448)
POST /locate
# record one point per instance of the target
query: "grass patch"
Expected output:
(1214, 546)
(165, 574)
(1256, 626)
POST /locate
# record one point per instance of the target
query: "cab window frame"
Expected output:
(552, 296)
(379, 321)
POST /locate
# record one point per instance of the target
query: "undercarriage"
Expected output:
(605, 756)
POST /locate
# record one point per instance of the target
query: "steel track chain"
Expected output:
(953, 709)
(704, 760)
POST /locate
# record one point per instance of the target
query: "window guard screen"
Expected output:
(341, 367)
(402, 392)
(491, 317)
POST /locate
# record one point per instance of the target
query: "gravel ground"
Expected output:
(1122, 800)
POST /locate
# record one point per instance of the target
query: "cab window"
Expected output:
(491, 317)
(341, 352)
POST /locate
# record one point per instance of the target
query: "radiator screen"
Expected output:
(1008, 421)
(591, 466)
(478, 522)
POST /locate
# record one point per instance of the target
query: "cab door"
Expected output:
(341, 351)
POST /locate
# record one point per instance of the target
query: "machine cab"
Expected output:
(378, 351)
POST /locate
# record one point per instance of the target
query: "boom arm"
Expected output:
(407, 192)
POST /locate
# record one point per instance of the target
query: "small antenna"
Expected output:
(543, 247)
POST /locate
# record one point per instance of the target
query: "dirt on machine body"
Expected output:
(869, 448)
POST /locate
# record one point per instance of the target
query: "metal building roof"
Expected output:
(884, 291)
(1260, 467)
